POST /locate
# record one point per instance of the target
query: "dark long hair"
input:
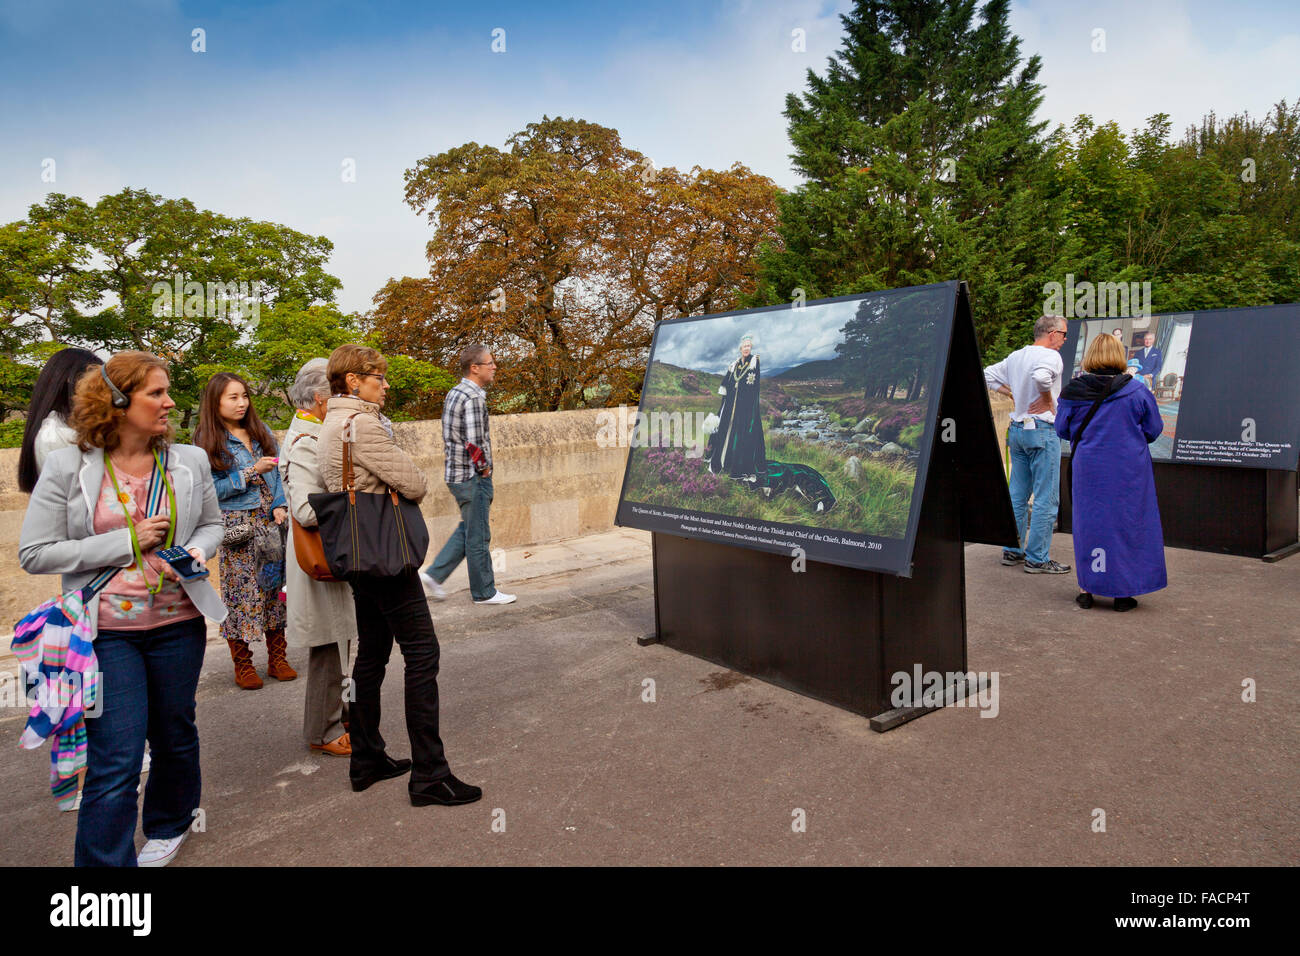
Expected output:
(52, 393)
(210, 435)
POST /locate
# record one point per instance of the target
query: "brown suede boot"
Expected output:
(276, 665)
(245, 677)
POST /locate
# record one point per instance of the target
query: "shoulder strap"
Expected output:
(349, 436)
(1116, 384)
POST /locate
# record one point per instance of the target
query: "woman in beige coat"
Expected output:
(388, 608)
(321, 613)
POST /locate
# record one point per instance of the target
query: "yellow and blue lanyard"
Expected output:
(151, 508)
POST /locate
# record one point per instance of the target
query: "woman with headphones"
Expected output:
(111, 502)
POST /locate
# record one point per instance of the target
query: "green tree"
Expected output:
(290, 334)
(44, 282)
(922, 159)
(105, 277)
(1187, 217)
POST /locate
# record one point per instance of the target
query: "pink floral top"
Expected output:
(124, 604)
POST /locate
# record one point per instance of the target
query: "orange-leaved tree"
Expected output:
(562, 252)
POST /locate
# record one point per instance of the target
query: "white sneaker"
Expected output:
(500, 597)
(432, 589)
(160, 852)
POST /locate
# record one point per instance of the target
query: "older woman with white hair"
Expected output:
(322, 614)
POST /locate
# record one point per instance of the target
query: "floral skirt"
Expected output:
(250, 610)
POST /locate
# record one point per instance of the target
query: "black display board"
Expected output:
(834, 631)
(795, 393)
(1227, 381)
(1245, 511)
(1227, 384)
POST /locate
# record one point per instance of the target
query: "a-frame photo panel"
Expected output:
(805, 426)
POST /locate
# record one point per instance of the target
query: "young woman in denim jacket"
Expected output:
(241, 451)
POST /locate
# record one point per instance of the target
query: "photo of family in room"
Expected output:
(812, 415)
(1156, 355)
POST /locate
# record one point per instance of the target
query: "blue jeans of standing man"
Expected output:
(470, 540)
(148, 681)
(1036, 467)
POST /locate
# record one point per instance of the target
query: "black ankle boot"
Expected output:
(448, 792)
(1084, 600)
(1125, 604)
(385, 771)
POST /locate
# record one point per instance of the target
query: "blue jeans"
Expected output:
(1036, 467)
(470, 540)
(148, 683)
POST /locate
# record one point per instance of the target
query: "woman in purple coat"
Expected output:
(1119, 547)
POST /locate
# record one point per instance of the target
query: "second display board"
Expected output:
(1227, 382)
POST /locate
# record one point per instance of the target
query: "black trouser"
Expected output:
(389, 608)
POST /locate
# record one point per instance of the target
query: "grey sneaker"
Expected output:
(1047, 567)
(1010, 558)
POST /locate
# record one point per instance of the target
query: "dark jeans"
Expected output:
(388, 609)
(470, 540)
(148, 683)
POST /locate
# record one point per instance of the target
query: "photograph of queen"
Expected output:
(736, 447)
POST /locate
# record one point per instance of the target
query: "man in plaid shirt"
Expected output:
(465, 420)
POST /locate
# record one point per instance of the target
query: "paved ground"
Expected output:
(1138, 714)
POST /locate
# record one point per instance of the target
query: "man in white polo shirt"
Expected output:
(1032, 377)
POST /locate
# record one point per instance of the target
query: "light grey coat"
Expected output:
(58, 535)
(320, 612)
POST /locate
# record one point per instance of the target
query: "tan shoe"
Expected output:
(340, 747)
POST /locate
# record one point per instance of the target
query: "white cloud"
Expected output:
(1162, 56)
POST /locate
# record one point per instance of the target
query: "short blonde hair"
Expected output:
(1104, 351)
(353, 359)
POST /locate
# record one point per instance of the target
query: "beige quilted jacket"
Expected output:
(377, 461)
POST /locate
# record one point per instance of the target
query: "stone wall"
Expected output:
(551, 481)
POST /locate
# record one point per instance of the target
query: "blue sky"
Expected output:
(260, 124)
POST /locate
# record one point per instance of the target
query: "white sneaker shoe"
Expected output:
(160, 852)
(432, 589)
(500, 597)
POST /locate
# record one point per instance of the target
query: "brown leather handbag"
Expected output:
(307, 546)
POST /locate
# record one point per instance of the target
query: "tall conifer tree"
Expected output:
(922, 161)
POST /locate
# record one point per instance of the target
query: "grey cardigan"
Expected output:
(58, 535)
